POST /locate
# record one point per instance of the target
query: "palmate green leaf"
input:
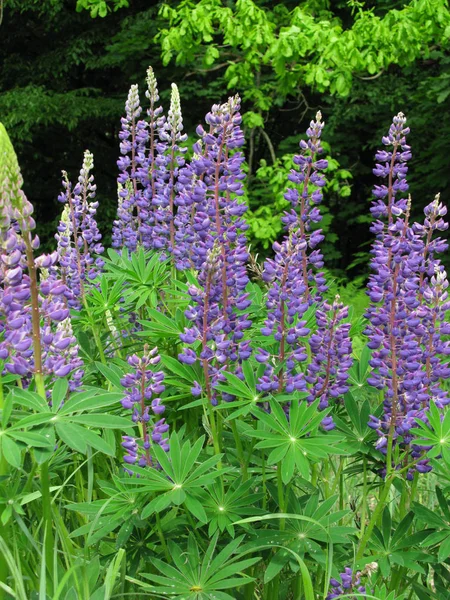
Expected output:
(199, 574)
(160, 324)
(237, 387)
(181, 478)
(294, 441)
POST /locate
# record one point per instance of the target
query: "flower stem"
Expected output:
(280, 489)
(375, 516)
(240, 450)
(364, 498)
(3, 528)
(40, 387)
(47, 516)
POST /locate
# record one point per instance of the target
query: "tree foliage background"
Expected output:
(67, 66)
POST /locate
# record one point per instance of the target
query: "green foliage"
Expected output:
(200, 576)
(100, 8)
(299, 46)
(295, 441)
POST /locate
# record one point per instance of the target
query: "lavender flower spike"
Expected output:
(290, 274)
(133, 166)
(144, 385)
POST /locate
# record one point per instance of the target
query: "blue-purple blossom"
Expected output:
(168, 159)
(331, 349)
(133, 220)
(408, 293)
(79, 239)
(293, 281)
(348, 582)
(34, 341)
(144, 386)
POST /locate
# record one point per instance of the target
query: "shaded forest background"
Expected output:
(66, 67)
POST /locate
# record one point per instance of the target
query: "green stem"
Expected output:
(314, 474)
(240, 450)
(212, 423)
(275, 588)
(40, 387)
(412, 496)
(397, 576)
(375, 516)
(264, 486)
(98, 343)
(47, 516)
(162, 539)
(3, 528)
(404, 501)
(249, 589)
(3, 463)
(280, 490)
(364, 498)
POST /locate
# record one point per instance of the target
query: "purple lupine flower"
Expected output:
(144, 386)
(31, 309)
(210, 215)
(166, 160)
(293, 284)
(349, 582)
(408, 303)
(78, 236)
(331, 350)
(209, 325)
(208, 199)
(130, 228)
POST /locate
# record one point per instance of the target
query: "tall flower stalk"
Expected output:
(295, 284)
(79, 239)
(218, 250)
(144, 385)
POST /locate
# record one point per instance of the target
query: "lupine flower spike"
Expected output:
(408, 301)
(33, 311)
(290, 274)
(144, 385)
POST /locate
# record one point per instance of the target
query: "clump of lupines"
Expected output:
(78, 236)
(408, 303)
(217, 248)
(147, 182)
(32, 310)
(144, 385)
(349, 582)
(294, 285)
